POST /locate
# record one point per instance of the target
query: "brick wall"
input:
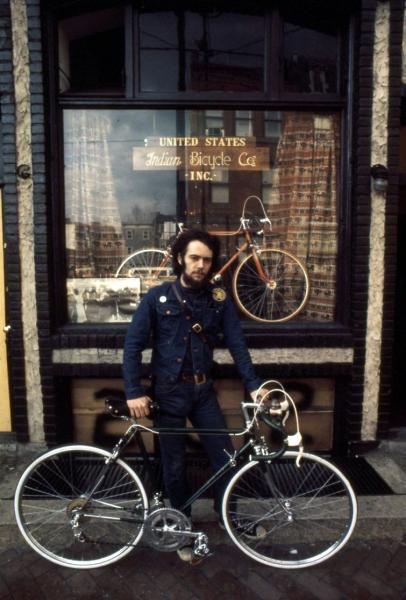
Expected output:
(395, 82)
(12, 261)
(12, 258)
(40, 156)
(364, 39)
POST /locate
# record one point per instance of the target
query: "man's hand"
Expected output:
(139, 407)
(256, 395)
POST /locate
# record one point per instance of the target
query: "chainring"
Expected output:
(162, 529)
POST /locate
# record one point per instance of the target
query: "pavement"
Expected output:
(372, 565)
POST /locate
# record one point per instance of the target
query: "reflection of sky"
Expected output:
(148, 191)
(140, 194)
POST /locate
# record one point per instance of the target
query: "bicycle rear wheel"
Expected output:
(57, 486)
(277, 298)
(147, 265)
(287, 516)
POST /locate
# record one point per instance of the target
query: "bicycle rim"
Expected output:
(278, 298)
(290, 517)
(146, 265)
(58, 483)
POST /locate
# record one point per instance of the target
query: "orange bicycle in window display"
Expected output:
(269, 285)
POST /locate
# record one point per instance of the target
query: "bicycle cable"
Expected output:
(294, 439)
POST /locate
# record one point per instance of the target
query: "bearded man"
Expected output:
(186, 319)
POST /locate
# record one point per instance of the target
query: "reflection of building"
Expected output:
(95, 243)
(306, 73)
(95, 251)
(137, 236)
(165, 230)
(216, 76)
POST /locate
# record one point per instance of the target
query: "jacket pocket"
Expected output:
(212, 318)
(168, 317)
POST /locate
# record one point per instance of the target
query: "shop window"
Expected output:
(136, 170)
(210, 48)
(91, 53)
(244, 123)
(310, 48)
(220, 194)
(220, 188)
(201, 51)
(272, 124)
(214, 122)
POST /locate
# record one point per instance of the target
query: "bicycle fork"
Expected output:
(285, 504)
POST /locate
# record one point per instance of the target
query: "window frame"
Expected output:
(270, 100)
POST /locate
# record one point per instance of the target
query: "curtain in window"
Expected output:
(304, 203)
(94, 235)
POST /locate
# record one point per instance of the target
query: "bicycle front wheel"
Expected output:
(150, 266)
(287, 516)
(69, 486)
(278, 294)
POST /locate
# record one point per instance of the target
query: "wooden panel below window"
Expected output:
(314, 399)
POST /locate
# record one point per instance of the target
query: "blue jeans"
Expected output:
(198, 403)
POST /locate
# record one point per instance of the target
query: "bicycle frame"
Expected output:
(248, 244)
(228, 466)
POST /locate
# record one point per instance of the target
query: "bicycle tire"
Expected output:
(146, 265)
(278, 299)
(56, 483)
(290, 517)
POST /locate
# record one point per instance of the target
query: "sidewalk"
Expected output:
(372, 565)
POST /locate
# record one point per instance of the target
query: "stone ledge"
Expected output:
(259, 356)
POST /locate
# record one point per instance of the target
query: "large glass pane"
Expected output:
(132, 175)
(310, 50)
(201, 51)
(91, 53)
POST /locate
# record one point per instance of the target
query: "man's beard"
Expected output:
(197, 285)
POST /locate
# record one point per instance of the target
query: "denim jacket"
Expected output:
(161, 315)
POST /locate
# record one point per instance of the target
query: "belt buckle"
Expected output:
(197, 328)
(199, 378)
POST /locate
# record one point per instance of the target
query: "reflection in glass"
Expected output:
(310, 55)
(91, 52)
(201, 51)
(116, 205)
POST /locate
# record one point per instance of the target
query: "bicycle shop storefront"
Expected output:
(158, 116)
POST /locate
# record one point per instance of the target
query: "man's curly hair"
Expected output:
(191, 235)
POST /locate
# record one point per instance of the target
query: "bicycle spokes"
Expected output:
(151, 267)
(271, 285)
(78, 512)
(296, 517)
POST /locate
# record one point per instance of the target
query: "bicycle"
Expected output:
(269, 285)
(84, 507)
